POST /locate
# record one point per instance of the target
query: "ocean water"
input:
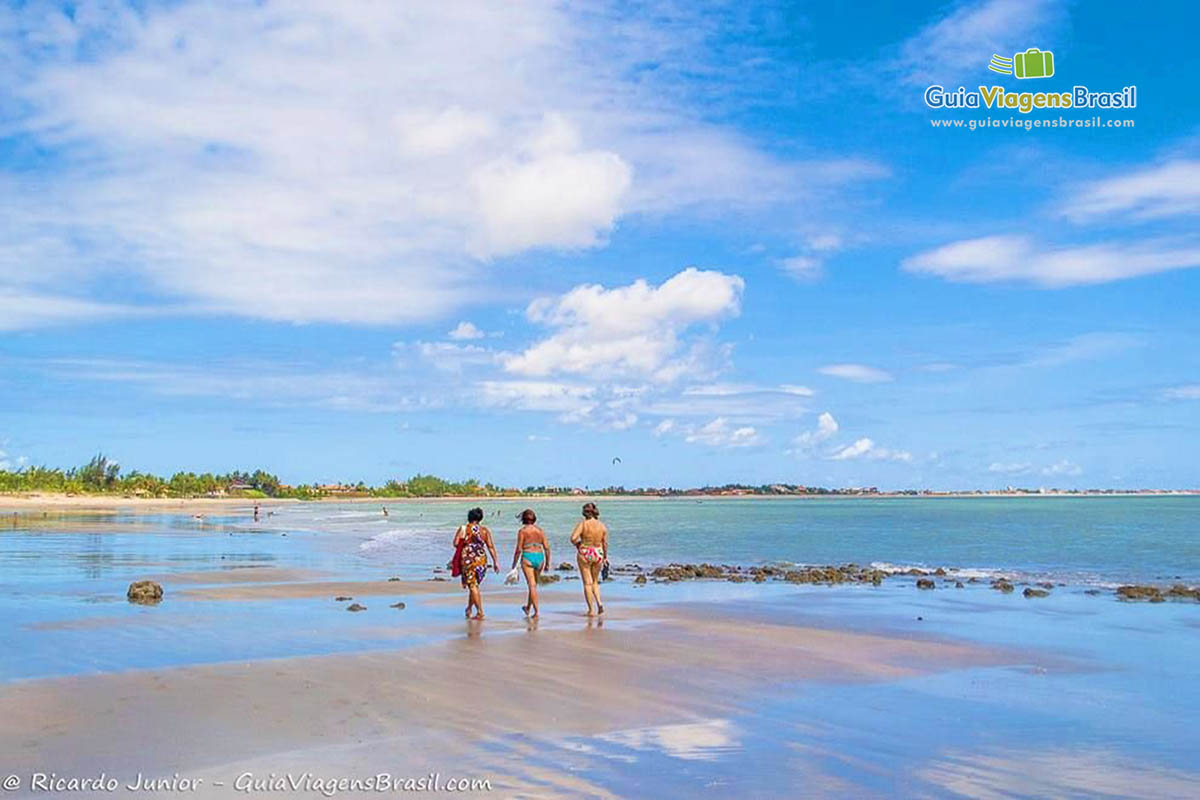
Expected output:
(1105, 705)
(63, 576)
(1102, 540)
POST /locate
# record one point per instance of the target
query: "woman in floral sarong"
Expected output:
(472, 543)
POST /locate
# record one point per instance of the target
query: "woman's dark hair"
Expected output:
(528, 517)
(590, 511)
(475, 515)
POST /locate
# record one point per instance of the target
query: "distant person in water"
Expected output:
(590, 538)
(384, 510)
(472, 543)
(533, 553)
(256, 512)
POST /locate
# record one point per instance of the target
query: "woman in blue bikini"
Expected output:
(533, 552)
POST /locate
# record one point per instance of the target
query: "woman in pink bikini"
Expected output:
(590, 538)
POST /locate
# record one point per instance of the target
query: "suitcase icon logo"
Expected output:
(1033, 63)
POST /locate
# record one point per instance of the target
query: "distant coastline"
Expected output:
(16, 502)
(102, 477)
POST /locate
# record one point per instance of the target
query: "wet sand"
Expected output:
(470, 696)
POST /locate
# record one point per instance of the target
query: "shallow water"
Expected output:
(63, 577)
(1104, 707)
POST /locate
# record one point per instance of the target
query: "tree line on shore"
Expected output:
(101, 475)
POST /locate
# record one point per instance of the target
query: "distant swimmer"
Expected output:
(384, 510)
(256, 511)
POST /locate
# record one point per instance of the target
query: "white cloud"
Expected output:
(824, 242)
(991, 259)
(1191, 392)
(734, 389)
(1009, 468)
(809, 264)
(1166, 190)
(1063, 468)
(796, 389)
(827, 428)
(452, 357)
(20, 310)
(308, 161)
(960, 43)
(553, 195)
(865, 448)
(664, 427)
(269, 384)
(538, 396)
(465, 330)
(860, 448)
(859, 373)
(633, 330)
(720, 433)
(1084, 347)
(803, 268)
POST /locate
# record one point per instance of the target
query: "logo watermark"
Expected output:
(1033, 63)
(1028, 64)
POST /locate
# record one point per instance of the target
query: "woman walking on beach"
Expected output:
(533, 552)
(590, 538)
(472, 543)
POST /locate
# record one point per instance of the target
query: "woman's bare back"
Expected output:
(591, 532)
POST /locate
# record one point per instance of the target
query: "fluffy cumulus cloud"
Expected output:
(721, 433)
(1019, 258)
(465, 330)
(356, 162)
(858, 373)
(637, 331)
(827, 428)
(866, 448)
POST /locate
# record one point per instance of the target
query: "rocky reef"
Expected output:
(833, 575)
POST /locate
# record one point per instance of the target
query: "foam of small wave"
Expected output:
(386, 539)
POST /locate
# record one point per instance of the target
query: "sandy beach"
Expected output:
(254, 675)
(436, 708)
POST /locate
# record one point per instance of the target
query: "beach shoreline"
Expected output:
(353, 714)
(48, 501)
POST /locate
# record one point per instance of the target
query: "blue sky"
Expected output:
(722, 242)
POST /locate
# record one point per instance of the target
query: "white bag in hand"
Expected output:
(513, 576)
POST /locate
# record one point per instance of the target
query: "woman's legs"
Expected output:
(531, 576)
(585, 575)
(477, 600)
(596, 569)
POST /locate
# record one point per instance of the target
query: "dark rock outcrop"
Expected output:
(1134, 592)
(1032, 592)
(356, 607)
(145, 592)
(924, 583)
